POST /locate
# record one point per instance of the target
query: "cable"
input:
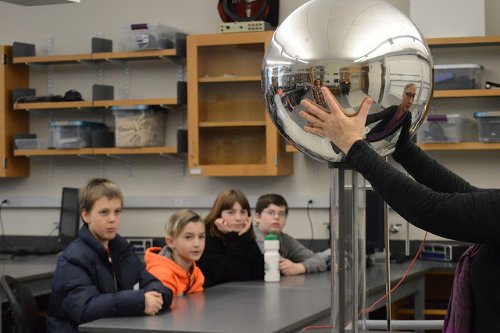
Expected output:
(368, 310)
(309, 204)
(402, 279)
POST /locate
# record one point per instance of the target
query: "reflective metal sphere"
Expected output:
(355, 48)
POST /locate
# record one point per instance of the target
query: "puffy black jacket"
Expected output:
(85, 288)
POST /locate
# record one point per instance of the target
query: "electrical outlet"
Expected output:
(4, 202)
(310, 202)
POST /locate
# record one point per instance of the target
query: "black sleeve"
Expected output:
(235, 258)
(386, 113)
(471, 217)
(426, 170)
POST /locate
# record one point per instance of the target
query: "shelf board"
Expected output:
(53, 59)
(463, 41)
(96, 151)
(134, 55)
(255, 123)
(466, 93)
(95, 104)
(135, 151)
(52, 152)
(53, 105)
(218, 170)
(130, 102)
(459, 146)
(77, 58)
(239, 78)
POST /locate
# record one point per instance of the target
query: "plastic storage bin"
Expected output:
(33, 143)
(72, 134)
(488, 126)
(442, 128)
(146, 36)
(139, 126)
(460, 76)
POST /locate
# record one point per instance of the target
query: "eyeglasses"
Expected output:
(273, 213)
(233, 212)
(410, 95)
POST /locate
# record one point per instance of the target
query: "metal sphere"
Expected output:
(355, 48)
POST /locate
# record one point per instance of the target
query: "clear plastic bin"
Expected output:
(442, 128)
(146, 36)
(72, 134)
(460, 76)
(488, 126)
(31, 143)
(139, 126)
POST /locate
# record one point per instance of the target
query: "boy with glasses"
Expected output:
(271, 212)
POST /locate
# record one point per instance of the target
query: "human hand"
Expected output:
(342, 129)
(288, 267)
(222, 225)
(404, 135)
(247, 225)
(153, 302)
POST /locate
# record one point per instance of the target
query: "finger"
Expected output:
(310, 118)
(315, 130)
(313, 109)
(365, 107)
(332, 102)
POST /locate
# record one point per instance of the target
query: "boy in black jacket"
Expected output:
(96, 274)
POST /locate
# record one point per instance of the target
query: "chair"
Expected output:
(23, 306)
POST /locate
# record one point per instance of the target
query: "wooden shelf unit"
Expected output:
(97, 57)
(12, 122)
(97, 151)
(229, 131)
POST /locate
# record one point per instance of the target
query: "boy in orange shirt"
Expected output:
(174, 265)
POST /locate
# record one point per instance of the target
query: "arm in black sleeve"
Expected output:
(471, 217)
(426, 170)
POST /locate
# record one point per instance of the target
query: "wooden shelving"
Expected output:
(466, 93)
(229, 131)
(96, 151)
(463, 41)
(176, 53)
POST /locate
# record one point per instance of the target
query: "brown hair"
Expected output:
(270, 199)
(226, 200)
(98, 188)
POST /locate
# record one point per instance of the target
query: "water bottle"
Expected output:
(271, 258)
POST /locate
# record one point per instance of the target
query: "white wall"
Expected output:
(154, 186)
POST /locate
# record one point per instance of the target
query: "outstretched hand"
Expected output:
(342, 129)
(404, 135)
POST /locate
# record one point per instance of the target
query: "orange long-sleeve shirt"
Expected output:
(172, 275)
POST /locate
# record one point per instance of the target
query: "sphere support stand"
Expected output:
(348, 260)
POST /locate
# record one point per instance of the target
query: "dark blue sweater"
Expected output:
(86, 286)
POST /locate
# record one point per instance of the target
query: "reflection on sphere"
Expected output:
(356, 49)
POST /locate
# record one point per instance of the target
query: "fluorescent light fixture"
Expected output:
(39, 2)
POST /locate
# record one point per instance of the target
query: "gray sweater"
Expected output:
(293, 250)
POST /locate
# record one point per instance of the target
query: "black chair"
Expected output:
(23, 308)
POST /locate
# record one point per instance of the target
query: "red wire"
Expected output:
(402, 279)
(387, 293)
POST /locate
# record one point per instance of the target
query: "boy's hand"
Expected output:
(153, 302)
(288, 267)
